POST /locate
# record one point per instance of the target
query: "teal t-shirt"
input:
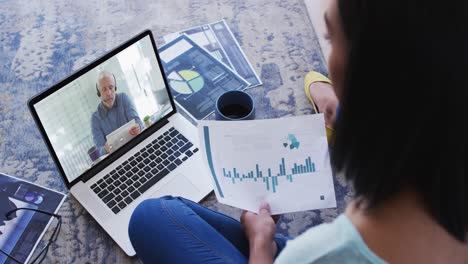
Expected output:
(336, 242)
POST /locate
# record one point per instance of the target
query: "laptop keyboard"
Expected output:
(141, 171)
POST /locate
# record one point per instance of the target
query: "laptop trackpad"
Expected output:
(179, 186)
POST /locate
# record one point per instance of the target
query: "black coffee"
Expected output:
(235, 111)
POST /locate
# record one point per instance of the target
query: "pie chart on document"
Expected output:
(186, 81)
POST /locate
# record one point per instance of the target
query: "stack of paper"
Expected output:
(202, 63)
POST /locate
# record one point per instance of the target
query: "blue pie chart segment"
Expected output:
(197, 84)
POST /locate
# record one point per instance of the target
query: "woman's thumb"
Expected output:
(264, 209)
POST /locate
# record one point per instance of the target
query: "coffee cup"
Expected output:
(234, 105)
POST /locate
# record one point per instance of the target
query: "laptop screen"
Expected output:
(105, 108)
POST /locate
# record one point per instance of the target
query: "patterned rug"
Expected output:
(44, 41)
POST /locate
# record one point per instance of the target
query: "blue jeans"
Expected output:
(176, 230)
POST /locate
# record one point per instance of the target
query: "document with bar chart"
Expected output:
(284, 162)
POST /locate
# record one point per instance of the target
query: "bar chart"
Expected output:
(269, 178)
(284, 162)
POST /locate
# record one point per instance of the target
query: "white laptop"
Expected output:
(162, 160)
(120, 136)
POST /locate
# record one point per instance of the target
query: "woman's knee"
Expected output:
(147, 213)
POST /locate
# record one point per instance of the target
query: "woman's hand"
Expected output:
(260, 231)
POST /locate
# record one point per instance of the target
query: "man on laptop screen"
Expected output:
(114, 111)
(126, 86)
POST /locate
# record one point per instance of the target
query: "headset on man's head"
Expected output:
(115, 86)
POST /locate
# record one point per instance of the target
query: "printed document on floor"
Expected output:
(218, 39)
(195, 77)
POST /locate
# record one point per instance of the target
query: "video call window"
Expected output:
(105, 108)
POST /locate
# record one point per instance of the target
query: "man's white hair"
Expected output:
(105, 73)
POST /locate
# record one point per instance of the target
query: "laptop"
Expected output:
(120, 136)
(163, 159)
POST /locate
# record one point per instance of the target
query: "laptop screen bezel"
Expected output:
(125, 148)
